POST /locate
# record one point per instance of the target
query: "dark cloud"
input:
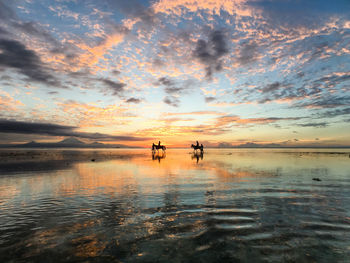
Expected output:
(332, 79)
(318, 124)
(210, 52)
(288, 92)
(3, 32)
(173, 90)
(300, 74)
(295, 14)
(116, 88)
(133, 100)
(165, 81)
(158, 63)
(278, 90)
(21, 127)
(170, 87)
(248, 52)
(271, 87)
(6, 12)
(172, 101)
(32, 29)
(116, 72)
(134, 9)
(334, 113)
(209, 99)
(324, 102)
(15, 55)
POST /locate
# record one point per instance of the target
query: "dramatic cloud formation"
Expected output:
(15, 55)
(211, 51)
(236, 72)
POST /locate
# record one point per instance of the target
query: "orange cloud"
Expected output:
(92, 115)
(193, 113)
(96, 53)
(177, 7)
(8, 103)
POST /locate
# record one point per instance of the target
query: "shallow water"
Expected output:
(248, 205)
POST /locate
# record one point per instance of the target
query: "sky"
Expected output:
(225, 73)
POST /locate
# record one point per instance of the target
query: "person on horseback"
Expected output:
(197, 144)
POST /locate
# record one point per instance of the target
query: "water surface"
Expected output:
(248, 205)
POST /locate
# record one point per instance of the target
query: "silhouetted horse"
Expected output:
(158, 146)
(197, 147)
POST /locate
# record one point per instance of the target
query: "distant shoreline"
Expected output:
(130, 147)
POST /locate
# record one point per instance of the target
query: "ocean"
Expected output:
(129, 205)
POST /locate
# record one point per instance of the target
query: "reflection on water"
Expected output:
(158, 155)
(197, 155)
(130, 206)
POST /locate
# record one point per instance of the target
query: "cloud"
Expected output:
(334, 113)
(210, 52)
(296, 14)
(6, 12)
(179, 7)
(8, 103)
(326, 102)
(15, 55)
(194, 113)
(209, 99)
(133, 100)
(22, 127)
(248, 52)
(3, 31)
(93, 115)
(116, 88)
(170, 87)
(134, 9)
(172, 101)
(32, 29)
(165, 82)
(93, 54)
(271, 87)
(173, 90)
(318, 124)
